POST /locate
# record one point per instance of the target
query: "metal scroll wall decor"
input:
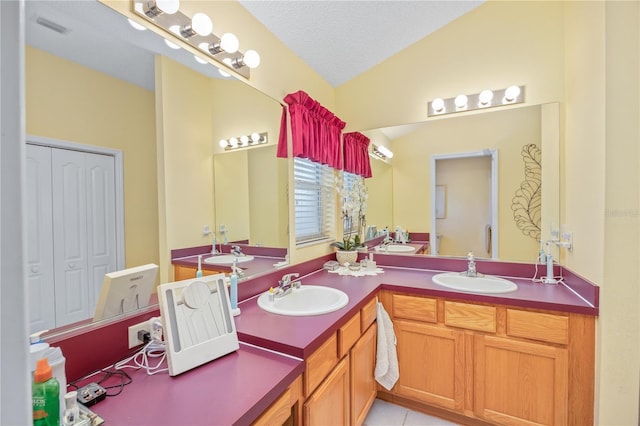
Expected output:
(527, 202)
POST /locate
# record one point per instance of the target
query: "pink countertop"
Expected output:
(234, 389)
(257, 266)
(300, 336)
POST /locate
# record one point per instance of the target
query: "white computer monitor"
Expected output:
(125, 291)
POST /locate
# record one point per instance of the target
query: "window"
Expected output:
(314, 199)
(350, 180)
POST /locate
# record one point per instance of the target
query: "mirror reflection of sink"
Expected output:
(226, 259)
(479, 284)
(396, 248)
(306, 300)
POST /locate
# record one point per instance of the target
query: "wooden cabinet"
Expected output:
(339, 383)
(363, 384)
(181, 272)
(431, 362)
(520, 383)
(494, 363)
(284, 410)
(330, 403)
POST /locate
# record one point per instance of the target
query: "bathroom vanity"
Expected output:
(525, 357)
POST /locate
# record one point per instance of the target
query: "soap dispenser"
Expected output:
(233, 289)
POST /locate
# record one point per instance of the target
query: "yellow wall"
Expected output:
(493, 46)
(73, 103)
(602, 187)
(380, 195)
(231, 182)
(185, 161)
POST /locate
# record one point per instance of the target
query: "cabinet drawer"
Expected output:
(414, 308)
(472, 317)
(538, 326)
(320, 363)
(278, 412)
(348, 335)
(368, 314)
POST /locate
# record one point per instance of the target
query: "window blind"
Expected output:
(314, 199)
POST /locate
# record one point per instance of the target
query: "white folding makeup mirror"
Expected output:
(197, 321)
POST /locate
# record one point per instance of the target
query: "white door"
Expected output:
(39, 239)
(101, 221)
(70, 236)
(71, 233)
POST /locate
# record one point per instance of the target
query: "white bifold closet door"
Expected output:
(72, 228)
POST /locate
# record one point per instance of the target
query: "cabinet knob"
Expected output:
(35, 269)
(72, 265)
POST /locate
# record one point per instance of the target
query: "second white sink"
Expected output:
(227, 259)
(306, 300)
(479, 284)
(396, 248)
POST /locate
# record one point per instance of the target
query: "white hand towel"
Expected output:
(387, 371)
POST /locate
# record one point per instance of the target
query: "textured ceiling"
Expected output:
(342, 39)
(338, 39)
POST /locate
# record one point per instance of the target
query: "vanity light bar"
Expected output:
(381, 151)
(484, 99)
(244, 141)
(182, 27)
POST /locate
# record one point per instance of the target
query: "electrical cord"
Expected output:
(142, 358)
(125, 379)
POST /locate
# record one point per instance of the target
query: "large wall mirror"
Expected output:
(90, 80)
(526, 140)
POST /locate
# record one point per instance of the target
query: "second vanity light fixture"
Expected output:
(197, 32)
(484, 99)
(381, 151)
(244, 141)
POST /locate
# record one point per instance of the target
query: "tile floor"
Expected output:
(386, 414)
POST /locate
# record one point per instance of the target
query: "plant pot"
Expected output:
(343, 256)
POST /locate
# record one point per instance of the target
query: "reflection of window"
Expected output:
(352, 226)
(314, 199)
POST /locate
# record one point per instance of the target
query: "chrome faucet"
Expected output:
(285, 285)
(236, 251)
(471, 266)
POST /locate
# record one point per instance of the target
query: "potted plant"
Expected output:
(354, 205)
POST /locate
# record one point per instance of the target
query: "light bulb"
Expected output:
(229, 43)
(158, 7)
(233, 142)
(199, 59)
(255, 137)
(201, 24)
(223, 73)
(251, 58)
(223, 143)
(171, 44)
(175, 29)
(135, 25)
(385, 151)
(168, 6)
(244, 139)
(461, 101)
(437, 105)
(511, 93)
(485, 97)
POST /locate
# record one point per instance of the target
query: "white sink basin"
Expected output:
(480, 284)
(306, 300)
(396, 248)
(227, 259)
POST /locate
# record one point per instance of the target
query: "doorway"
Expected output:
(464, 204)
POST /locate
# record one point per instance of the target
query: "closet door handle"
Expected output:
(72, 265)
(35, 269)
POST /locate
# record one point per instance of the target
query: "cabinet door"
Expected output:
(101, 221)
(431, 361)
(70, 236)
(363, 382)
(42, 314)
(520, 383)
(329, 404)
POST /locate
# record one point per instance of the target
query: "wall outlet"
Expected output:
(133, 333)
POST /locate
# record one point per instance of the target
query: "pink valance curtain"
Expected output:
(356, 154)
(315, 131)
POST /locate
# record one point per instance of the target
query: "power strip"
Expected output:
(91, 394)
